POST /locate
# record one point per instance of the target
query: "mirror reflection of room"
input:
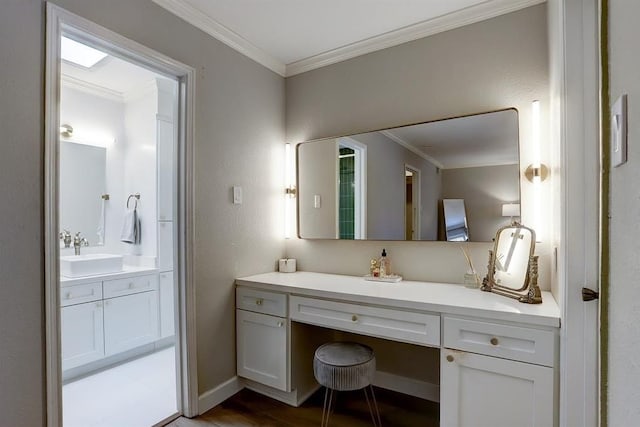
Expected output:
(392, 184)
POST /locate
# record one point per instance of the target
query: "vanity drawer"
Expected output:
(130, 285)
(264, 302)
(397, 325)
(78, 294)
(509, 342)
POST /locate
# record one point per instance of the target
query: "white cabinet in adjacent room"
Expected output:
(165, 245)
(167, 313)
(262, 348)
(130, 321)
(82, 334)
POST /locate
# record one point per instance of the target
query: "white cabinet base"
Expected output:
(485, 391)
(262, 349)
(82, 334)
(130, 321)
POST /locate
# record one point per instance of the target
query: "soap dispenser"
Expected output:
(384, 264)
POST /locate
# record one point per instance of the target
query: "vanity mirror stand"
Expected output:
(512, 270)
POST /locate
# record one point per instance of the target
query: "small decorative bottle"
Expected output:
(384, 265)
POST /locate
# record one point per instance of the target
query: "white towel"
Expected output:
(131, 228)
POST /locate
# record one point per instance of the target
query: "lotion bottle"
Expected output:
(384, 264)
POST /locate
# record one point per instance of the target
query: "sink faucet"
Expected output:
(79, 242)
(65, 236)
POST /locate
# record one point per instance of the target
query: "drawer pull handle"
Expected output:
(494, 341)
(280, 324)
(354, 318)
(259, 301)
(449, 358)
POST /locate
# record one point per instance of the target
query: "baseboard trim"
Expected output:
(212, 398)
(410, 386)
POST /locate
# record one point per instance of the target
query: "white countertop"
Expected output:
(127, 271)
(423, 296)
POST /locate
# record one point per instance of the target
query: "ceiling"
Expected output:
(488, 139)
(294, 36)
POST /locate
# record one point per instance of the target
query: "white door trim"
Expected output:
(573, 33)
(59, 21)
(416, 189)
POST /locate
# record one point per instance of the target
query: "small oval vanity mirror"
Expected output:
(513, 268)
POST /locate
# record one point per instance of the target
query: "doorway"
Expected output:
(120, 340)
(412, 203)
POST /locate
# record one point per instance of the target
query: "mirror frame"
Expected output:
(459, 116)
(530, 292)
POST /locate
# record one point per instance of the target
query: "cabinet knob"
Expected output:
(259, 301)
(99, 304)
(68, 295)
(354, 318)
(131, 285)
(449, 358)
(280, 324)
(494, 341)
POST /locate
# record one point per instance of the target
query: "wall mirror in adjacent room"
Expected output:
(82, 188)
(393, 184)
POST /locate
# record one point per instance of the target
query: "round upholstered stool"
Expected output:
(345, 366)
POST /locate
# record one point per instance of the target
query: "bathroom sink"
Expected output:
(90, 264)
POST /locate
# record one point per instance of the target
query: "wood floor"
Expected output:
(251, 409)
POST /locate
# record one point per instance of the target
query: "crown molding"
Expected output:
(486, 10)
(91, 88)
(411, 148)
(470, 15)
(212, 27)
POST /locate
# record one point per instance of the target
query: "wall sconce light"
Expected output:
(66, 131)
(536, 173)
(290, 191)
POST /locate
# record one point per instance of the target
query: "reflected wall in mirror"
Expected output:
(513, 267)
(82, 184)
(390, 184)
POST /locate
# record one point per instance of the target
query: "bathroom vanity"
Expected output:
(111, 317)
(498, 357)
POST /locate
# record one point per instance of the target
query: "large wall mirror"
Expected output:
(82, 184)
(442, 180)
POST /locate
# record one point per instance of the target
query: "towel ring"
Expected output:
(136, 198)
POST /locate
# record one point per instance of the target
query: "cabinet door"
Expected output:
(262, 348)
(484, 391)
(165, 246)
(130, 321)
(165, 170)
(82, 334)
(167, 319)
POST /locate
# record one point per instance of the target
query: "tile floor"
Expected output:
(139, 393)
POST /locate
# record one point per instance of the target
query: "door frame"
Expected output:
(416, 203)
(574, 79)
(58, 21)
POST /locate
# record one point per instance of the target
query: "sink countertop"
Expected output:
(424, 296)
(127, 271)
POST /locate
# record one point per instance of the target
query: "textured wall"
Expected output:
(624, 303)
(21, 206)
(491, 65)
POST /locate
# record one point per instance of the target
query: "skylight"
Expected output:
(80, 54)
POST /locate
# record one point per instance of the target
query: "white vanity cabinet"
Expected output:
(262, 337)
(496, 375)
(82, 323)
(104, 318)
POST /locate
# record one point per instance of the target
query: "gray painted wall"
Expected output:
(484, 190)
(21, 184)
(491, 65)
(624, 302)
(239, 141)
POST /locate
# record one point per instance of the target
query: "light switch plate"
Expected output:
(237, 195)
(619, 132)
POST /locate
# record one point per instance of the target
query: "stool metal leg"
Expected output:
(377, 422)
(326, 407)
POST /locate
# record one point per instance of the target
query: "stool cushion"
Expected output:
(344, 366)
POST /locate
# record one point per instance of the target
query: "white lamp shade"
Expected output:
(511, 209)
